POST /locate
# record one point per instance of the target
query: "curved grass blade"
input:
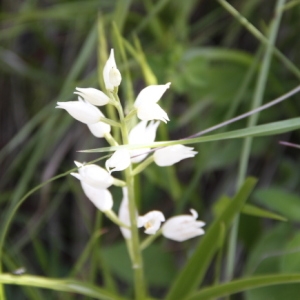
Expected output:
(193, 272)
(244, 284)
(63, 285)
(255, 131)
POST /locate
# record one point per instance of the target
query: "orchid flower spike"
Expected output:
(182, 228)
(119, 161)
(81, 110)
(101, 198)
(111, 75)
(151, 221)
(146, 103)
(93, 175)
(124, 214)
(93, 96)
(171, 155)
(142, 134)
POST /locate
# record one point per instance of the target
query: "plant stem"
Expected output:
(136, 255)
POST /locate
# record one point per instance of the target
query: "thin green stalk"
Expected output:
(254, 31)
(257, 100)
(136, 255)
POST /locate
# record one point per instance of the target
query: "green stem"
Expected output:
(150, 239)
(143, 165)
(113, 217)
(110, 122)
(257, 100)
(134, 249)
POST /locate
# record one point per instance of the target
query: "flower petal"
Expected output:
(142, 134)
(94, 175)
(182, 228)
(81, 111)
(170, 155)
(93, 96)
(101, 198)
(151, 221)
(151, 94)
(119, 161)
(152, 111)
(124, 215)
(99, 129)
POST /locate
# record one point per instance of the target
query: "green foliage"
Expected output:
(213, 54)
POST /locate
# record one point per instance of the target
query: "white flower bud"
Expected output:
(119, 161)
(99, 129)
(151, 221)
(170, 155)
(146, 103)
(82, 111)
(101, 198)
(93, 96)
(111, 74)
(93, 175)
(182, 228)
(142, 134)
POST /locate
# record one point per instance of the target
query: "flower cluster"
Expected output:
(95, 180)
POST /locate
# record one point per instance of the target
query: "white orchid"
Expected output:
(81, 110)
(170, 155)
(146, 103)
(151, 221)
(142, 134)
(119, 161)
(111, 75)
(183, 227)
(93, 96)
(93, 175)
(101, 198)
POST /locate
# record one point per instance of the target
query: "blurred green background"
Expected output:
(47, 48)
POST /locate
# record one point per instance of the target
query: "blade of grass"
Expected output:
(64, 285)
(244, 284)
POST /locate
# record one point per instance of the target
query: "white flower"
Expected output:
(124, 215)
(93, 96)
(93, 175)
(151, 221)
(111, 75)
(142, 134)
(170, 155)
(81, 111)
(182, 228)
(99, 129)
(146, 103)
(101, 198)
(119, 161)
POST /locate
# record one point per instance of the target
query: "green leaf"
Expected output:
(255, 131)
(248, 209)
(287, 204)
(63, 285)
(244, 284)
(193, 272)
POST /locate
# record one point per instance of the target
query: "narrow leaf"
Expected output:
(255, 131)
(244, 284)
(63, 285)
